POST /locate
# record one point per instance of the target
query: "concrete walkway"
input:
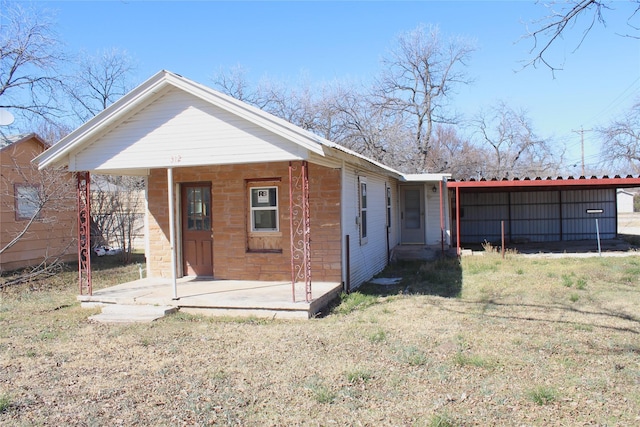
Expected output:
(219, 297)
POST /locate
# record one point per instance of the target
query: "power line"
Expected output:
(614, 102)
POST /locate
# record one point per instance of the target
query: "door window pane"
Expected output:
(198, 208)
(412, 209)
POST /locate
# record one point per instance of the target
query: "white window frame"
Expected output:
(363, 209)
(27, 201)
(253, 209)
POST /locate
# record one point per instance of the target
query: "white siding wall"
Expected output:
(432, 211)
(368, 259)
(179, 129)
(624, 201)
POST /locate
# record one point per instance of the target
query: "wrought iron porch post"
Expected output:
(84, 232)
(299, 228)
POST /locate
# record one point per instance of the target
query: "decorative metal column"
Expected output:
(84, 233)
(299, 227)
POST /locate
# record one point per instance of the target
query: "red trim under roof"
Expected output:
(547, 183)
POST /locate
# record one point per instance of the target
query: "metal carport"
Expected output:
(535, 209)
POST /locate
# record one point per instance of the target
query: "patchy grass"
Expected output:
(477, 341)
(542, 395)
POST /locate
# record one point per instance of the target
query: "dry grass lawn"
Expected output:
(484, 341)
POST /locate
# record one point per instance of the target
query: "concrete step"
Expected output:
(129, 313)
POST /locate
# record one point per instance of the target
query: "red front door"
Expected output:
(197, 240)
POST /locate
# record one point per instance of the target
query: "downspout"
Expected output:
(458, 220)
(172, 233)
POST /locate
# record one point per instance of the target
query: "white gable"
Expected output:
(179, 129)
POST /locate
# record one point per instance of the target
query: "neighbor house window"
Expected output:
(264, 208)
(363, 209)
(27, 200)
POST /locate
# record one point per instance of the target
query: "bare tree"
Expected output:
(454, 154)
(393, 122)
(418, 80)
(233, 82)
(621, 142)
(564, 16)
(29, 56)
(312, 110)
(515, 149)
(99, 81)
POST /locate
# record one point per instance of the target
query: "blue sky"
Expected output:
(344, 40)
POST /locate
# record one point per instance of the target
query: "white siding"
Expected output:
(432, 210)
(180, 129)
(624, 201)
(367, 259)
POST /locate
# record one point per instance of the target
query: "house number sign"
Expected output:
(263, 196)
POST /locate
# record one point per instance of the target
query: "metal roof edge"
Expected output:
(628, 180)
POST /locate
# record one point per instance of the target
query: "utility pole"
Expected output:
(581, 132)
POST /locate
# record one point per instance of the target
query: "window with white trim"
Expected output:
(362, 199)
(264, 209)
(27, 198)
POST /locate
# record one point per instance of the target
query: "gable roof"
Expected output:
(9, 140)
(163, 83)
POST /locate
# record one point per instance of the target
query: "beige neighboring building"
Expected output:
(53, 232)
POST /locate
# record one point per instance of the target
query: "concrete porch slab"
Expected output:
(220, 297)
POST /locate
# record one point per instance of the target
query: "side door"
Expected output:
(412, 214)
(197, 239)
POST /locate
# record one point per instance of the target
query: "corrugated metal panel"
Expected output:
(577, 224)
(538, 216)
(182, 130)
(481, 215)
(535, 216)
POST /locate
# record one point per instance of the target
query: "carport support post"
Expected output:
(458, 220)
(172, 233)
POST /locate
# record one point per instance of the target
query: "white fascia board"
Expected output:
(425, 177)
(145, 92)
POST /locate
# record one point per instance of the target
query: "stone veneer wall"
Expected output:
(234, 249)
